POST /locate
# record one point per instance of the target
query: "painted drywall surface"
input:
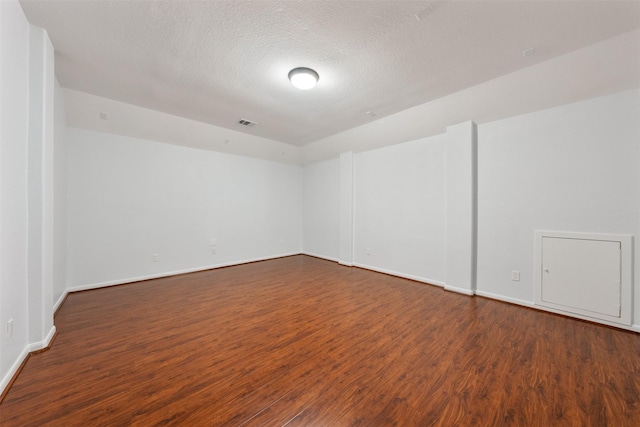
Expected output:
(570, 168)
(59, 196)
(607, 67)
(14, 122)
(346, 208)
(129, 199)
(461, 207)
(87, 111)
(40, 188)
(399, 209)
(321, 210)
(603, 68)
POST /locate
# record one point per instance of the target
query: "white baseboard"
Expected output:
(505, 299)
(173, 273)
(58, 303)
(14, 369)
(328, 258)
(462, 291)
(634, 328)
(397, 274)
(35, 346)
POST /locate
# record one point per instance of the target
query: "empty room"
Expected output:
(319, 213)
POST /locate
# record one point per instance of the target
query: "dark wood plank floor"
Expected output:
(300, 341)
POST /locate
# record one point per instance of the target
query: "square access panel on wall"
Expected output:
(585, 275)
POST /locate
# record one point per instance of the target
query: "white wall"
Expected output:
(40, 189)
(26, 189)
(59, 198)
(346, 208)
(461, 207)
(14, 134)
(606, 67)
(84, 109)
(130, 198)
(321, 210)
(570, 168)
(399, 204)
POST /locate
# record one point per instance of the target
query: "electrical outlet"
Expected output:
(9, 328)
(213, 251)
(515, 276)
(368, 251)
(281, 242)
(213, 242)
(155, 258)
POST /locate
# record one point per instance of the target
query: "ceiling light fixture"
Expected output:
(303, 78)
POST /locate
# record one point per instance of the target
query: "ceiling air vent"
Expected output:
(246, 123)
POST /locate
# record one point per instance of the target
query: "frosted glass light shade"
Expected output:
(303, 78)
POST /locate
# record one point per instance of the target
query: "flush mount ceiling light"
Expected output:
(303, 78)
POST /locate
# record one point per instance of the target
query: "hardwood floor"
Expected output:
(300, 341)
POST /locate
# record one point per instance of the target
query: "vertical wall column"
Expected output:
(40, 190)
(461, 240)
(346, 208)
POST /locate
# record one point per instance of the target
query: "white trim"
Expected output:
(626, 277)
(346, 264)
(505, 299)
(633, 328)
(402, 275)
(173, 273)
(463, 291)
(28, 349)
(58, 303)
(346, 208)
(35, 346)
(14, 369)
(328, 258)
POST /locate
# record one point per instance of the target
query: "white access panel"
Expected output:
(582, 274)
(588, 275)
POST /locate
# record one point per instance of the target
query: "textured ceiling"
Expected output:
(220, 61)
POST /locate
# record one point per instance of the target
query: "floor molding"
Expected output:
(505, 299)
(32, 348)
(13, 373)
(402, 275)
(43, 345)
(462, 291)
(118, 282)
(288, 330)
(60, 301)
(328, 258)
(632, 328)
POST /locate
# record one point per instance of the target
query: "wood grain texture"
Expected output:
(300, 341)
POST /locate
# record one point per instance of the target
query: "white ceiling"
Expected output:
(219, 61)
